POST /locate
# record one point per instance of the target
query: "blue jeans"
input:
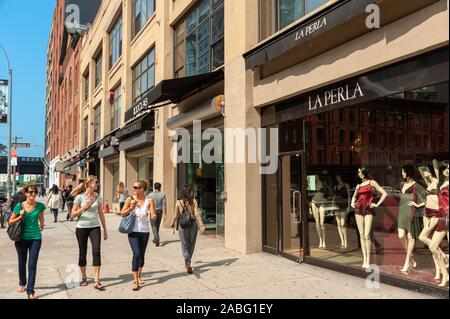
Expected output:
(22, 247)
(138, 243)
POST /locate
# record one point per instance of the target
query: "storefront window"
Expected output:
(145, 170)
(207, 180)
(334, 234)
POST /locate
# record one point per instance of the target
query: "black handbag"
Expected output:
(15, 231)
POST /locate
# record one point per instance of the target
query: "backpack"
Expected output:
(186, 219)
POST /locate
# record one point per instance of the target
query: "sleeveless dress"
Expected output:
(409, 217)
(319, 197)
(365, 199)
(442, 214)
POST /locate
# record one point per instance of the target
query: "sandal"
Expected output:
(99, 286)
(141, 282)
(32, 296)
(84, 283)
(136, 286)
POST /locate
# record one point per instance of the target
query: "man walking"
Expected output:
(159, 199)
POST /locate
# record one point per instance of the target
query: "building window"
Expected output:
(341, 116)
(278, 14)
(341, 137)
(86, 131)
(401, 140)
(97, 121)
(320, 135)
(352, 135)
(417, 121)
(98, 69)
(142, 11)
(418, 140)
(115, 43)
(144, 75)
(199, 39)
(86, 86)
(352, 116)
(116, 109)
(321, 157)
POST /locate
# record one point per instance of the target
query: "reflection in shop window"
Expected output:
(384, 155)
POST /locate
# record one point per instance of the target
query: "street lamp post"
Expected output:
(10, 72)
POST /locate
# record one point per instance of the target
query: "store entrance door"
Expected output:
(292, 199)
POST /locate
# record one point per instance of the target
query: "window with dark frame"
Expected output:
(98, 70)
(144, 75)
(115, 43)
(86, 86)
(97, 121)
(116, 109)
(142, 11)
(199, 39)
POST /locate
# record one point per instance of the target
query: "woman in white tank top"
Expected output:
(143, 209)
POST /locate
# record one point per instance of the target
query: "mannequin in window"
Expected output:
(412, 200)
(341, 201)
(431, 209)
(318, 210)
(441, 229)
(363, 204)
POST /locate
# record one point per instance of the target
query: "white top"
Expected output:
(141, 224)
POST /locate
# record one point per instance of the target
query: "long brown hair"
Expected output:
(83, 186)
(120, 188)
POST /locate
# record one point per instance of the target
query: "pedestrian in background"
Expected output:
(54, 202)
(187, 206)
(69, 202)
(159, 199)
(143, 209)
(88, 208)
(19, 197)
(122, 195)
(28, 248)
(63, 197)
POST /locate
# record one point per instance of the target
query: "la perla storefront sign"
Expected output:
(335, 96)
(310, 29)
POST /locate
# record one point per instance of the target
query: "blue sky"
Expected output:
(25, 27)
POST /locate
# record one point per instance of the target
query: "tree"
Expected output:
(3, 149)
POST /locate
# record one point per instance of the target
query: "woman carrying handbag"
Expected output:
(136, 214)
(31, 214)
(187, 221)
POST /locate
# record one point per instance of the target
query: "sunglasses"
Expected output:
(137, 187)
(32, 192)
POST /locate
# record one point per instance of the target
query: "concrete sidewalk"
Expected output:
(219, 273)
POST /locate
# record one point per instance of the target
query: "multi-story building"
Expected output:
(48, 109)
(340, 91)
(65, 99)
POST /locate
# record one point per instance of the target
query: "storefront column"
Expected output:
(242, 181)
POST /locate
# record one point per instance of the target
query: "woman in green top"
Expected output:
(88, 208)
(32, 214)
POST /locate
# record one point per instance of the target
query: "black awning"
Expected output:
(107, 138)
(144, 122)
(87, 151)
(174, 91)
(296, 35)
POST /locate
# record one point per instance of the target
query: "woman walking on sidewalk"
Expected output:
(143, 209)
(54, 202)
(88, 207)
(32, 214)
(187, 220)
(122, 194)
